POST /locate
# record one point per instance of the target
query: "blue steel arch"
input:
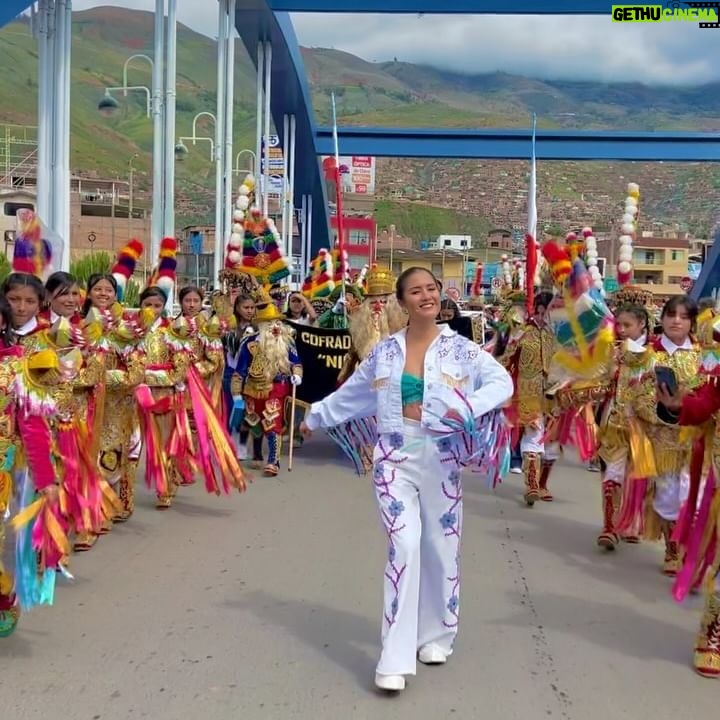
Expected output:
(256, 22)
(10, 9)
(560, 145)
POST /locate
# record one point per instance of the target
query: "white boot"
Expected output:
(432, 654)
(393, 683)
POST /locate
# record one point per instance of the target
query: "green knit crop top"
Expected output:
(411, 389)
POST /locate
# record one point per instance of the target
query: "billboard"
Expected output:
(360, 175)
(273, 155)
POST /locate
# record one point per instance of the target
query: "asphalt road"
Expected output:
(267, 605)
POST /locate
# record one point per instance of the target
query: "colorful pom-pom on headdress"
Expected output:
(322, 282)
(125, 264)
(559, 261)
(37, 249)
(164, 275)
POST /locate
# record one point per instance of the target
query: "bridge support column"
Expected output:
(53, 182)
(266, 132)
(288, 183)
(224, 133)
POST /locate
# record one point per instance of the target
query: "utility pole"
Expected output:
(131, 172)
(392, 245)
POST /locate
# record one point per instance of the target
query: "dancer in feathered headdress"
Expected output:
(172, 386)
(268, 367)
(526, 352)
(119, 439)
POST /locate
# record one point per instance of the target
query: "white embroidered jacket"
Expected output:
(374, 387)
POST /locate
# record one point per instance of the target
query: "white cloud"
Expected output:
(559, 47)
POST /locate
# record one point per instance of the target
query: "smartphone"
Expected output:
(666, 376)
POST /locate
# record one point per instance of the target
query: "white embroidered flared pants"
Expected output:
(671, 493)
(532, 442)
(420, 502)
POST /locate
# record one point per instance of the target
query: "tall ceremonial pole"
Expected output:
(339, 202)
(531, 245)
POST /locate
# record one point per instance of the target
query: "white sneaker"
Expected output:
(392, 683)
(432, 654)
(516, 470)
(242, 452)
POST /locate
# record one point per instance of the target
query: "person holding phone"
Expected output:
(702, 561)
(677, 360)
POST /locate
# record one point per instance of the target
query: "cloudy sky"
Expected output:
(586, 48)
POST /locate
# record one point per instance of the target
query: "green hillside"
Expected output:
(426, 222)
(393, 94)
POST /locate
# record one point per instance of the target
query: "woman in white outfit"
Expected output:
(419, 497)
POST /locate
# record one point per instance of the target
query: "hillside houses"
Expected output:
(570, 195)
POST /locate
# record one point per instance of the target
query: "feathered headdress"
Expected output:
(263, 258)
(164, 274)
(583, 324)
(322, 282)
(361, 279)
(559, 263)
(124, 266)
(341, 266)
(37, 249)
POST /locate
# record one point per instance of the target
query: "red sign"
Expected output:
(686, 284)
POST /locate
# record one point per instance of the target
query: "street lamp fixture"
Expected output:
(108, 105)
(252, 167)
(181, 150)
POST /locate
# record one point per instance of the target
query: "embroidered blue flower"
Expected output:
(448, 520)
(444, 445)
(378, 471)
(391, 553)
(453, 603)
(454, 477)
(396, 508)
(394, 607)
(396, 440)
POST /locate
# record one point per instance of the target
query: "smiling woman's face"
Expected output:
(421, 295)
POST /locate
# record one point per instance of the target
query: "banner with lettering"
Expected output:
(322, 352)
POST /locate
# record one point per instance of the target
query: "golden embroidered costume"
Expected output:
(527, 357)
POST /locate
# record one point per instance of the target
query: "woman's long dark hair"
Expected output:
(58, 284)
(681, 301)
(638, 312)
(448, 304)
(93, 280)
(14, 280)
(7, 336)
(153, 291)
